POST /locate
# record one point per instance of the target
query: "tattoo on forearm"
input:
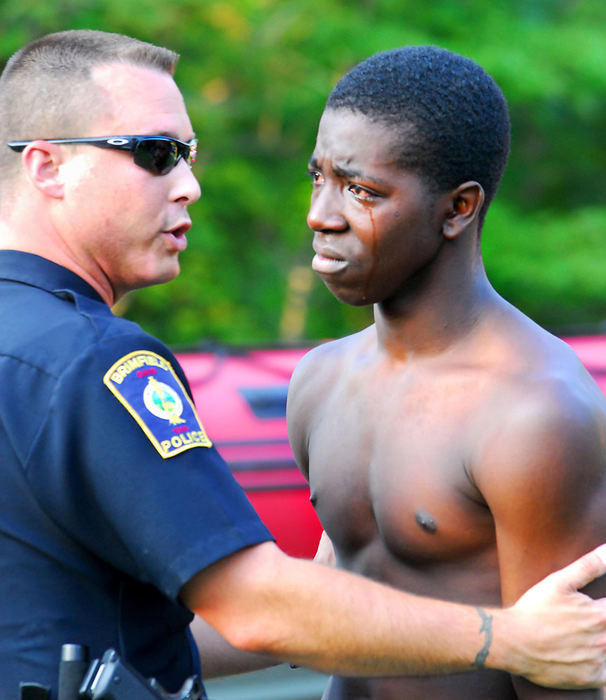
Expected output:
(486, 627)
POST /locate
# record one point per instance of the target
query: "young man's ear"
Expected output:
(41, 161)
(466, 202)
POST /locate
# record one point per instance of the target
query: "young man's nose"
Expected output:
(325, 212)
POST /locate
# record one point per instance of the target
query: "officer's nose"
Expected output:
(186, 187)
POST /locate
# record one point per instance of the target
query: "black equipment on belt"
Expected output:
(109, 678)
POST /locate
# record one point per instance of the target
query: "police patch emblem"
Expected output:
(147, 386)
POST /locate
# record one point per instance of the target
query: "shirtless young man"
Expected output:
(454, 448)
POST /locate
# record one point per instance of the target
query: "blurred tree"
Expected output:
(255, 74)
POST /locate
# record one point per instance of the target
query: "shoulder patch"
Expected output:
(147, 386)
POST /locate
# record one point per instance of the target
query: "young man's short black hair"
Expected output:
(451, 115)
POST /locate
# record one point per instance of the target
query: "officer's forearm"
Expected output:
(298, 611)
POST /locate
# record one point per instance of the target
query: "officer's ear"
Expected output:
(465, 204)
(41, 161)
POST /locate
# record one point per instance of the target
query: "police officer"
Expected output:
(118, 518)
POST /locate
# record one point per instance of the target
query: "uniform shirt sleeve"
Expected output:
(114, 469)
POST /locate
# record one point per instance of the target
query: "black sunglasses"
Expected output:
(157, 154)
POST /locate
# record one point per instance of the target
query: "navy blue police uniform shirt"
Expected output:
(112, 494)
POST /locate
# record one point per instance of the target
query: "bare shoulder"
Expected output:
(550, 384)
(325, 362)
(312, 382)
(546, 417)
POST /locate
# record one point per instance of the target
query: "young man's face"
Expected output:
(124, 223)
(375, 225)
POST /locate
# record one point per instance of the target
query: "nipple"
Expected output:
(426, 521)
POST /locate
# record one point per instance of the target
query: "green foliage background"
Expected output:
(255, 74)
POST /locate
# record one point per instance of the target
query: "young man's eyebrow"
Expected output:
(338, 170)
(347, 173)
(313, 164)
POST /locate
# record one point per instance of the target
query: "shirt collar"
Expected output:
(36, 271)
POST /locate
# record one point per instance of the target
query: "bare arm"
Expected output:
(293, 610)
(542, 475)
(219, 657)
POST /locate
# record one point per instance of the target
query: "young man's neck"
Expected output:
(429, 323)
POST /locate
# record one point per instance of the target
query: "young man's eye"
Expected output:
(362, 193)
(316, 177)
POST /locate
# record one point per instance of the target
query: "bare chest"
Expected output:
(390, 480)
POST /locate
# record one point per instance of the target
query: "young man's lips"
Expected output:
(326, 264)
